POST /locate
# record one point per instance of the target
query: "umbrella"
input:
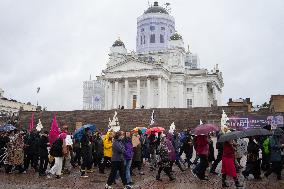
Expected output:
(278, 132)
(79, 132)
(142, 129)
(155, 129)
(8, 127)
(232, 136)
(205, 129)
(257, 132)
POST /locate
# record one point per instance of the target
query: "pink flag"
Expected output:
(31, 125)
(54, 131)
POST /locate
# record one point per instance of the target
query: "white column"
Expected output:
(166, 94)
(149, 96)
(126, 94)
(160, 94)
(110, 96)
(138, 94)
(181, 96)
(119, 101)
(115, 94)
(106, 95)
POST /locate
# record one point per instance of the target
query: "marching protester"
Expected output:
(86, 153)
(43, 153)
(228, 164)
(117, 161)
(57, 152)
(164, 159)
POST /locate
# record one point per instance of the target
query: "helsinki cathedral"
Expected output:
(160, 74)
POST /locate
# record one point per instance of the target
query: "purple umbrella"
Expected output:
(205, 129)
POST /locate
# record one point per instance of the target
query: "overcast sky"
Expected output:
(57, 44)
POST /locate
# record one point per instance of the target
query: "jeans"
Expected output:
(117, 166)
(201, 167)
(127, 164)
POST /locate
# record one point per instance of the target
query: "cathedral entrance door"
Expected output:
(134, 100)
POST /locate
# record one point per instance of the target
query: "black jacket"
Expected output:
(43, 144)
(56, 148)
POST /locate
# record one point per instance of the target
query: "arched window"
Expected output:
(144, 41)
(162, 40)
(152, 38)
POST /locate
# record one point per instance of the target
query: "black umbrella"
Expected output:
(257, 132)
(231, 136)
(278, 132)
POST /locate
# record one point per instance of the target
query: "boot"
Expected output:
(172, 177)
(224, 183)
(238, 184)
(158, 177)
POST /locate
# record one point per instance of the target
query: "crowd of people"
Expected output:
(124, 152)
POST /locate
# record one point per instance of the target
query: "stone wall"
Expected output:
(129, 119)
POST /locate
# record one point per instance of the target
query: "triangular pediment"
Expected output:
(131, 65)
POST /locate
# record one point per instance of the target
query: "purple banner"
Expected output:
(241, 123)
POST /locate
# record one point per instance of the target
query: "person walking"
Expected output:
(86, 152)
(164, 160)
(228, 164)
(128, 155)
(275, 154)
(57, 152)
(117, 161)
(43, 153)
(202, 150)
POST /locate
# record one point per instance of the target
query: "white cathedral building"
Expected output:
(161, 74)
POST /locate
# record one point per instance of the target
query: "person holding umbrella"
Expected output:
(253, 161)
(275, 154)
(202, 150)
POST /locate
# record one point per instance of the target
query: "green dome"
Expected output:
(118, 43)
(176, 36)
(156, 9)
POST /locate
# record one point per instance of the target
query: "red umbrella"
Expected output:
(205, 129)
(155, 129)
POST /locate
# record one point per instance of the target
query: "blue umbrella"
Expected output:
(79, 132)
(8, 128)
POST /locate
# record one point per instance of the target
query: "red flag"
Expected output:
(31, 125)
(54, 131)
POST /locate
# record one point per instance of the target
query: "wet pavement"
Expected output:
(184, 180)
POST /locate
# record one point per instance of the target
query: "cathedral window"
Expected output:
(152, 28)
(162, 28)
(162, 39)
(152, 38)
(144, 41)
(141, 40)
(188, 90)
(189, 103)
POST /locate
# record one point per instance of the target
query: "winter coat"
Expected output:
(275, 147)
(128, 149)
(241, 148)
(253, 151)
(137, 153)
(187, 145)
(118, 150)
(107, 145)
(171, 149)
(98, 146)
(56, 148)
(163, 153)
(15, 152)
(43, 144)
(202, 146)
